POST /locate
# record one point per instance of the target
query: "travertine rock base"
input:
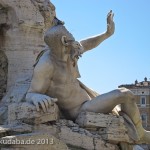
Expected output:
(34, 141)
(27, 113)
(110, 127)
(3, 73)
(108, 132)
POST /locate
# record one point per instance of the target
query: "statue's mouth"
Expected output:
(75, 55)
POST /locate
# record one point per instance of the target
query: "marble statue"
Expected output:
(55, 79)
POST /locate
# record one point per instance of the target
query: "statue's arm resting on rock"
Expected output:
(39, 85)
(94, 41)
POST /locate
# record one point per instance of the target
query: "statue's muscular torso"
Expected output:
(64, 84)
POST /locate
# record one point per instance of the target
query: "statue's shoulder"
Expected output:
(44, 61)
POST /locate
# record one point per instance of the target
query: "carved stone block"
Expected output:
(90, 119)
(27, 113)
(115, 134)
(76, 139)
(84, 140)
(110, 127)
(102, 145)
(13, 129)
(4, 131)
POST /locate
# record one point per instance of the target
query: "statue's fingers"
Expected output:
(49, 102)
(112, 16)
(108, 19)
(36, 105)
(43, 106)
(108, 14)
(46, 103)
(54, 99)
(47, 97)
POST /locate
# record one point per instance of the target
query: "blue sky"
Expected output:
(122, 58)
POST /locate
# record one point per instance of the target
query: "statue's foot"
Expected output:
(143, 134)
(145, 138)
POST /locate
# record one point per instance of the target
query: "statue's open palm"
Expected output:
(110, 23)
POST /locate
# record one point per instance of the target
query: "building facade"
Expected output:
(141, 91)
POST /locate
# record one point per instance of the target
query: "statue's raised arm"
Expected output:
(94, 41)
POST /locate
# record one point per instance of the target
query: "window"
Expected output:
(144, 119)
(143, 101)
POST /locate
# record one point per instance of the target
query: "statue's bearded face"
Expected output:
(74, 48)
(62, 43)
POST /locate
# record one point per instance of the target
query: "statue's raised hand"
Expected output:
(110, 23)
(40, 101)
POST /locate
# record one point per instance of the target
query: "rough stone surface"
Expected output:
(27, 113)
(12, 148)
(13, 129)
(103, 145)
(3, 114)
(22, 26)
(115, 135)
(3, 72)
(43, 128)
(110, 127)
(67, 131)
(84, 141)
(90, 119)
(33, 141)
(78, 137)
(4, 131)
(47, 10)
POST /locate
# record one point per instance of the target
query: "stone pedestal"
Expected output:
(27, 113)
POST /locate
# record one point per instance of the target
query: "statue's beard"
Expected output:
(75, 55)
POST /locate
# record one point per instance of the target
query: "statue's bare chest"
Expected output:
(64, 73)
(64, 81)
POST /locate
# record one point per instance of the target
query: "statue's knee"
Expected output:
(125, 93)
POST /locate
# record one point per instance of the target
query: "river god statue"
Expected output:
(55, 79)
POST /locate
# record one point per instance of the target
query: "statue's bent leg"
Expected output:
(106, 102)
(132, 111)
